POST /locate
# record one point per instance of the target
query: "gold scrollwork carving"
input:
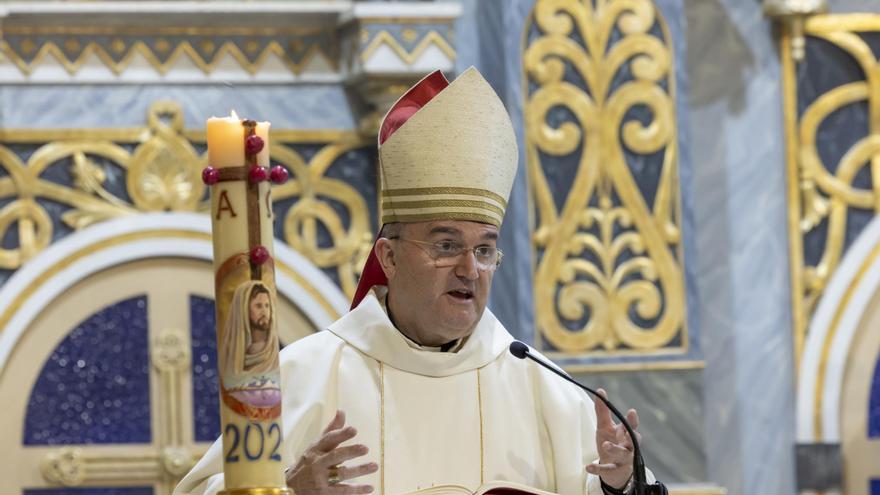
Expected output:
(609, 271)
(350, 246)
(162, 173)
(817, 195)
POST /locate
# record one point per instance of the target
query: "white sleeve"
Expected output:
(594, 485)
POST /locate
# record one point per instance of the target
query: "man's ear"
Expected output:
(385, 254)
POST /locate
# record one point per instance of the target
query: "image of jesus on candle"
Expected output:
(249, 348)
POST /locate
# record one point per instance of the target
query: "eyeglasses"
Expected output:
(447, 253)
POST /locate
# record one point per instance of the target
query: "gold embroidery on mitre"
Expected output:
(442, 215)
(441, 203)
(446, 190)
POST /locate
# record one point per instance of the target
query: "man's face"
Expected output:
(260, 311)
(435, 305)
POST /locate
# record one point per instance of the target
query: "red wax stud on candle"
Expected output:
(210, 176)
(253, 144)
(259, 255)
(257, 174)
(278, 174)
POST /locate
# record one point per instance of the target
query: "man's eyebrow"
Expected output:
(491, 235)
(443, 229)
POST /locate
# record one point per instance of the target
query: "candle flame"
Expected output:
(234, 115)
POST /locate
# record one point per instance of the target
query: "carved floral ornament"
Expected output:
(117, 172)
(608, 274)
(64, 467)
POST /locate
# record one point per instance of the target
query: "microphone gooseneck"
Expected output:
(640, 484)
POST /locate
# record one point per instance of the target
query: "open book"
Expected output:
(492, 488)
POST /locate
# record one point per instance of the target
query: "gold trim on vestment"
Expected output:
(471, 191)
(476, 217)
(442, 203)
(482, 442)
(381, 427)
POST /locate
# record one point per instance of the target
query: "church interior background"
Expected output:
(693, 226)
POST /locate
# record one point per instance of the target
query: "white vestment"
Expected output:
(429, 418)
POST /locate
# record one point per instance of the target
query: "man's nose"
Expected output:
(467, 267)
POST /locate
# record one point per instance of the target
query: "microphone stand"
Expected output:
(640, 483)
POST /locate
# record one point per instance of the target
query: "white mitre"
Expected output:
(447, 151)
(455, 158)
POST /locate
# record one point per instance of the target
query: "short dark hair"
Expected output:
(391, 230)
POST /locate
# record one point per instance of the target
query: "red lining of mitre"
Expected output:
(410, 103)
(407, 106)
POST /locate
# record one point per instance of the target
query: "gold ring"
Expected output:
(333, 475)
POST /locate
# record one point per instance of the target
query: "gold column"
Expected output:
(792, 14)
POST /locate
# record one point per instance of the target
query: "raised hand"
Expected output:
(614, 445)
(318, 471)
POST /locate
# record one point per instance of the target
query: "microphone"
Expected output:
(640, 484)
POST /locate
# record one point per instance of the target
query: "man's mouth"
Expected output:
(462, 294)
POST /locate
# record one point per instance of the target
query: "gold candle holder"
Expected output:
(246, 301)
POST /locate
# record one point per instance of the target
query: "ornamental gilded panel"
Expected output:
(602, 158)
(53, 182)
(831, 82)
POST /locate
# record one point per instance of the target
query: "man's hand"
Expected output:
(312, 474)
(614, 446)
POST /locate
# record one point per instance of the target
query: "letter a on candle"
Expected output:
(269, 203)
(223, 204)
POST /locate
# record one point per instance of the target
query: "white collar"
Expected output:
(368, 329)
